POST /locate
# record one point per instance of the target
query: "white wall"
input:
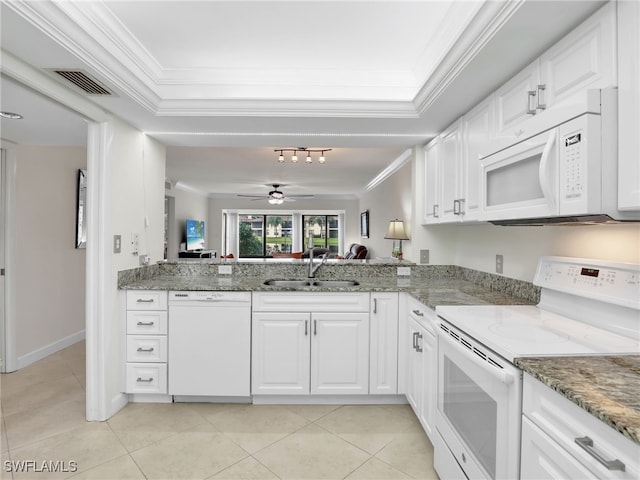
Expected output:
(137, 206)
(193, 205)
(216, 205)
(50, 271)
(389, 200)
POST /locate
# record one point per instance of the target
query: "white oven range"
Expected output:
(587, 307)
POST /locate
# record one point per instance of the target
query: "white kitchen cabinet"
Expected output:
(553, 428)
(383, 325)
(629, 104)
(146, 342)
(554, 86)
(432, 194)
(451, 172)
(280, 353)
(297, 351)
(421, 358)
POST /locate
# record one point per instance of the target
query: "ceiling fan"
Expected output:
(275, 196)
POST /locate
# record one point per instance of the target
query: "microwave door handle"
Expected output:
(546, 183)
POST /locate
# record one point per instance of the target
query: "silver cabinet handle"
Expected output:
(315, 327)
(587, 445)
(375, 305)
(530, 95)
(456, 207)
(140, 349)
(306, 328)
(436, 210)
(146, 380)
(418, 313)
(145, 324)
(415, 340)
(418, 338)
(143, 300)
(541, 89)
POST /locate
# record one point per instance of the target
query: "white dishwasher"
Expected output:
(209, 343)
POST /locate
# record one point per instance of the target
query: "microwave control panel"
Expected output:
(571, 148)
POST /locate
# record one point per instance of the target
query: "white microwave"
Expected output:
(566, 174)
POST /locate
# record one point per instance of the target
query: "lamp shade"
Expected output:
(396, 230)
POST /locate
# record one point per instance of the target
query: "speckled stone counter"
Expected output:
(431, 284)
(608, 387)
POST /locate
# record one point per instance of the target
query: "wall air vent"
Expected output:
(83, 81)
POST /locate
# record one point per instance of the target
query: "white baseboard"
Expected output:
(32, 357)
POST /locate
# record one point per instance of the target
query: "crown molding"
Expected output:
(392, 168)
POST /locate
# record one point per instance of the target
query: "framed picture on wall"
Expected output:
(364, 224)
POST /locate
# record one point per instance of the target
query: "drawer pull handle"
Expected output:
(418, 313)
(145, 324)
(306, 328)
(415, 340)
(145, 380)
(145, 300)
(140, 349)
(587, 445)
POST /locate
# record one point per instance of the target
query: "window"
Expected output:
(325, 230)
(264, 235)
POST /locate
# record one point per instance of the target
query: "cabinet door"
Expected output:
(340, 353)
(427, 343)
(541, 457)
(432, 194)
(477, 133)
(414, 367)
(629, 105)
(450, 172)
(383, 364)
(515, 105)
(280, 359)
(583, 59)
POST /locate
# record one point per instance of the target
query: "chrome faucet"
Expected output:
(313, 269)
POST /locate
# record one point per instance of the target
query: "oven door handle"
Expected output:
(501, 374)
(544, 177)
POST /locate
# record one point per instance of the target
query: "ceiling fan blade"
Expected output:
(257, 197)
(300, 196)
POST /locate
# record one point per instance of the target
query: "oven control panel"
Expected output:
(617, 283)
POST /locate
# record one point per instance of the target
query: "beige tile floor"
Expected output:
(42, 421)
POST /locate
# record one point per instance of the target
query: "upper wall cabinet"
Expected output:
(629, 105)
(555, 84)
(432, 197)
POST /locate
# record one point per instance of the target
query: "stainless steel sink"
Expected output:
(288, 283)
(335, 283)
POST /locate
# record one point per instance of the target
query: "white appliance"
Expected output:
(565, 174)
(209, 344)
(587, 307)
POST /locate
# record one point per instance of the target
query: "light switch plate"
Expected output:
(224, 270)
(424, 257)
(499, 263)
(117, 243)
(404, 271)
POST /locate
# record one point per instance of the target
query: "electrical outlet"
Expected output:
(117, 243)
(499, 263)
(224, 270)
(144, 259)
(424, 257)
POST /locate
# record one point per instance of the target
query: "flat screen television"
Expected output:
(195, 234)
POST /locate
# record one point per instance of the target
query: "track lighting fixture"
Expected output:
(308, 151)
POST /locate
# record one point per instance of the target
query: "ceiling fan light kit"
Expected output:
(308, 151)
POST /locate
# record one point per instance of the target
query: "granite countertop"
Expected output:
(608, 387)
(431, 292)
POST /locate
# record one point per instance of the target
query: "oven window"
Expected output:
(472, 413)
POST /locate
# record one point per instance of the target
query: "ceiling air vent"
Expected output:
(83, 81)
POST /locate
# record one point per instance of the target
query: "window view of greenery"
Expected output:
(324, 229)
(264, 235)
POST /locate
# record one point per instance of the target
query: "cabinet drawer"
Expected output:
(146, 300)
(425, 316)
(565, 422)
(147, 378)
(146, 348)
(147, 322)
